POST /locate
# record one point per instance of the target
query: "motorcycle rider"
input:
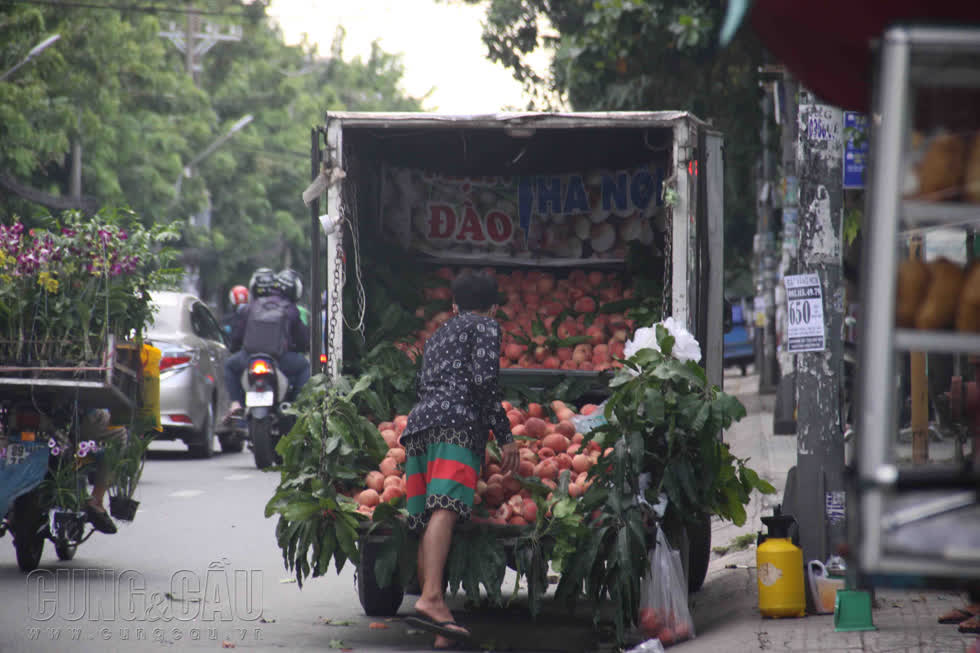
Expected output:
(283, 289)
(238, 298)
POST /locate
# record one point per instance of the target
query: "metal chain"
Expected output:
(335, 304)
(666, 295)
(349, 213)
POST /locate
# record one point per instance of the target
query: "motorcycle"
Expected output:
(27, 502)
(266, 392)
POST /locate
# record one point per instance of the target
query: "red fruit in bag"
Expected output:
(682, 632)
(649, 621)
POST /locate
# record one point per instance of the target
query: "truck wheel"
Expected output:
(376, 601)
(699, 538)
(260, 432)
(29, 531)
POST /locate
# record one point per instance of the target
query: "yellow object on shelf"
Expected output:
(780, 571)
(150, 397)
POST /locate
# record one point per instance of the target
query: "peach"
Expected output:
(584, 305)
(368, 498)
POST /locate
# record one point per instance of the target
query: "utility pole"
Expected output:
(784, 414)
(820, 499)
(766, 275)
(194, 42)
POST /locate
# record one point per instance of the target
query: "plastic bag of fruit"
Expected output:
(664, 613)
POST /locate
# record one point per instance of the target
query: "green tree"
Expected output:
(108, 84)
(255, 181)
(120, 90)
(643, 55)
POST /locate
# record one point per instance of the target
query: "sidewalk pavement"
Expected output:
(726, 610)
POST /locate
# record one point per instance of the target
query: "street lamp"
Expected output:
(187, 171)
(36, 50)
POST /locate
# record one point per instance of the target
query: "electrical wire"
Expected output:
(145, 8)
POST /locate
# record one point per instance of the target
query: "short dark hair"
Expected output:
(474, 291)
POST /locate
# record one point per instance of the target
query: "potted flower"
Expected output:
(128, 459)
(70, 283)
(67, 487)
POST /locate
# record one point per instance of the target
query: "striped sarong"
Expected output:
(441, 472)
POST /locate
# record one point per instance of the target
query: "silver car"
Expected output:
(192, 389)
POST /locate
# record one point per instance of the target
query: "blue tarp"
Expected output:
(22, 468)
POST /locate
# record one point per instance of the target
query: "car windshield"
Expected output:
(166, 317)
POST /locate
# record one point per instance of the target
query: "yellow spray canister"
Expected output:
(779, 565)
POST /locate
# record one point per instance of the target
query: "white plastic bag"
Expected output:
(664, 613)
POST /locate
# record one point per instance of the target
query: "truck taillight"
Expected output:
(260, 367)
(323, 358)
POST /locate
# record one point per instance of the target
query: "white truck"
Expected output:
(553, 192)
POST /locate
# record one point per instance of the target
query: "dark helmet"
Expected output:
(290, 284)
(262, 283)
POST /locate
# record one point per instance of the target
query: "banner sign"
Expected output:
(541, 218)
(804, 309)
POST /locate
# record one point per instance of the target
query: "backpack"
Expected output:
(267, 328)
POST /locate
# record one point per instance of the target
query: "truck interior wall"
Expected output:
(476, 152)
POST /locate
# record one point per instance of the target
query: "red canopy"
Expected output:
(827, 44)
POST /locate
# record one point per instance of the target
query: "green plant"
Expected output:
(324, 458)
(663, 423)
(66, 484)
(674, 417)
(125, 461)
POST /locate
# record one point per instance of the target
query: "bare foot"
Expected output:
(438, 612)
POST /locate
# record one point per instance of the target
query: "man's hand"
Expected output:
(510, 458)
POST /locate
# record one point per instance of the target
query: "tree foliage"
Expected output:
(643, 55)
(120, 89)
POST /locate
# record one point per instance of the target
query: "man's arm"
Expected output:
(485, 366)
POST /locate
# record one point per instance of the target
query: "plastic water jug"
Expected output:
(825, 580)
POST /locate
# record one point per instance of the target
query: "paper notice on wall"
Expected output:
(804, 311)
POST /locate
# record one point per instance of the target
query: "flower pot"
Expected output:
(123, 508)
(67, 525)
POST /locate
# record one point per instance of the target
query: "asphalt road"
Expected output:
(200, 559)
(199, 568)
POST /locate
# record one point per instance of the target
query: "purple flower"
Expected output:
(68, 232)
(105, 236)
(52, 443)
(123, 235)
(115, 270)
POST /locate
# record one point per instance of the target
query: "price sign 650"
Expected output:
(799, 312)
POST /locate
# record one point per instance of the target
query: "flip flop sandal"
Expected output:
(955, 616)
(100, 520)
(971, 625)
(440, 628)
